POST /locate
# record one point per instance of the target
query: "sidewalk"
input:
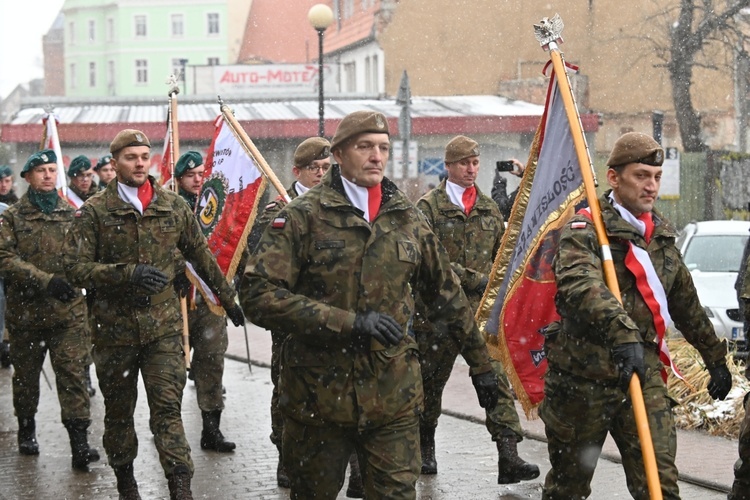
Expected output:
(701, 459)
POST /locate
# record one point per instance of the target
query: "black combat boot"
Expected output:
(89, 385)
(179, 483)
(355, 489)
(282, 479)
(427, 446)
(126, 485)
(211, 437)
(5, 354)
(27, 444)
(511, 467)
(79, 444)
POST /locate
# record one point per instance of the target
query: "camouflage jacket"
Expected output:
(31, 247)
(472, 240)
(316, 266)
(109, 237)
(264, 217)
(593, 321)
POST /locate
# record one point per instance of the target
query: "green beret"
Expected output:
(635, 147)
(460, 147)
(359, 122)
(128, 137)
(78, 165)
(309, 150)
(188, 161)
(103, 161)
(5, 171)
(42, 157)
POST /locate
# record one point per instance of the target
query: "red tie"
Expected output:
(469, 197)
(646, 218)
(374, 197)
(145, 193)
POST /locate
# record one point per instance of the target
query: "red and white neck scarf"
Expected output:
(139, 197)
(461, 196)
(367, 199)
(638, 262)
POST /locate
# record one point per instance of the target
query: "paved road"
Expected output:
(466, 456)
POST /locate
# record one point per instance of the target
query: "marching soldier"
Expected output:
(337, 269)
(123, 243)
(7, 191)
(741, 485)
(599, 342)
(45, 313)
(7, 197)
(208, 331)
(82, 185)
(105, 171)
(470, 227)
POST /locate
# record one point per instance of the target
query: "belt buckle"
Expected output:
(142, 301)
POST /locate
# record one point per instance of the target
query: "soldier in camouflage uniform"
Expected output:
(7, 197)
(208, 331)
(122, 244)
(469, 225)
(44, 311)
(82, 186)
(599, 342)
(105, 171)
(741, 485)
(337, 269)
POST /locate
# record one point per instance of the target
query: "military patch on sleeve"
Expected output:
(270, 205)
(78, 214)
(577, 225)
(278, 223)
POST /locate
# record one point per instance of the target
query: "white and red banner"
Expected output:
(519, 302)
(167, 159)
(228, 202)
(51, 140)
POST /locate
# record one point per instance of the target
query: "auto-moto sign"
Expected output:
(271, 78)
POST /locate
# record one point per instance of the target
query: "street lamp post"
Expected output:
(320, 16)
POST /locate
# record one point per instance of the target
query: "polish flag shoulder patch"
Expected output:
(578, 225)
(278, 223)
(78, 213)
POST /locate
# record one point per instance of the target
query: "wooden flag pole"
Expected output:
(174, 152)
(548, 34)
(250, 149)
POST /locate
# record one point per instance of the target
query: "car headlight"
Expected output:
(709, 313)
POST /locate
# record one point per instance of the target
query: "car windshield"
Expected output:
(715, 253)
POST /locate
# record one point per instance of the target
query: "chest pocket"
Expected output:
(488, 223)
(328, 252)
(407, 252)
(167, 225)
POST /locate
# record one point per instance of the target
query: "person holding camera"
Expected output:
(470, 227)
(500, 185)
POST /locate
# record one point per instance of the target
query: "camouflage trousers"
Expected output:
(162, 365)
(741, 486)
(209, 340)
(438, 353)
(578, 413)
(316, 458)
(68, 353)
(277, 419)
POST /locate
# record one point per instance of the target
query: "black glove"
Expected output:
(721, 382)
(487, 391)
(61, 290)
(181, 284)
(235, 315)
(149, 278)
(380, 327)
(482, 286)
(629, 359)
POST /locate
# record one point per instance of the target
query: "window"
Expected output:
(348, 9)
(177, 68)
(111, 77)
(92, 30)
(110, 29)
(178, 25)
(140, 26)
(213, 61)
(72, 33)
(141, 71)
(350, 77)
(92, 74)
(213, 23)
(72, 75)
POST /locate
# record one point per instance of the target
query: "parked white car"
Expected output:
(712, 251)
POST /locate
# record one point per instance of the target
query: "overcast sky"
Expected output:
(22, 25)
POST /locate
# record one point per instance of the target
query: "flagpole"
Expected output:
(174, 151)
(251, 150)
(55, 138)
(548, 33)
